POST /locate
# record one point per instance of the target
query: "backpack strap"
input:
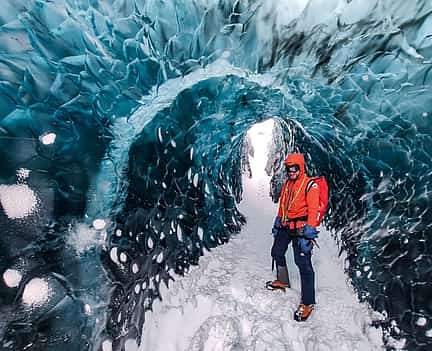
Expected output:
(309, 185)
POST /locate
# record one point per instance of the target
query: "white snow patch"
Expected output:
(159, 132)
(107, 345)
(123, 257)
(396, 344)
(200, 233)
(137, 289)
(131, 345)
(179, 233)
(99, 224)
(36, 292)
(82, 238)
(23, 174)
(87, 309)
(195, 180)
(12, 277)
(189, 174)
(150, 243)
(18, 200)
(48, 138)
(358, 273)
(160, 257)
(114, 255)
(421, 321)
(135, 268)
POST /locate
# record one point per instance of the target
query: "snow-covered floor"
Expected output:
(223, 305)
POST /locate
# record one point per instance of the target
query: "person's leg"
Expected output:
(280, 246)
(278, 251)
(307, 274)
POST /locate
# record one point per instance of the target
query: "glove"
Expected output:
(310, 232)
(276, 226)
(305, 245)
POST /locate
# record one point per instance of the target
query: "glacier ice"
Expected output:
(129, 118)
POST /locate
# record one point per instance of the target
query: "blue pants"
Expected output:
(302, 260)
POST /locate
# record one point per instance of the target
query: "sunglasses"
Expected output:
(293, 169)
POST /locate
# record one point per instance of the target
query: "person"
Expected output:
(296, 222)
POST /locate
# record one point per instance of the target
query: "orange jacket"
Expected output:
(294, 202)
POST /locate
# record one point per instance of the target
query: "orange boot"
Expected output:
(303, 312)
(276, 285)
(282, 281)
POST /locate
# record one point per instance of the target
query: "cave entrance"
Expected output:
(259, 137)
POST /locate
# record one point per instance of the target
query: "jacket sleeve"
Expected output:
(312, 200)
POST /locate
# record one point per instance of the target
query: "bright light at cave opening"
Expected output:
(261, 135)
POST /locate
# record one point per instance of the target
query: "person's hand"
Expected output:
(305, 245)
(310, 232)
(276, 226)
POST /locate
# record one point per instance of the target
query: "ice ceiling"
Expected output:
(121, 132)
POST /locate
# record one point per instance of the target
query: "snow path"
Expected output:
(223, 305)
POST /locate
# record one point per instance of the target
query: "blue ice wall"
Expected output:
(134, 113)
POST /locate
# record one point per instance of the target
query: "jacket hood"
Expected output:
(296, 159)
